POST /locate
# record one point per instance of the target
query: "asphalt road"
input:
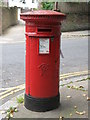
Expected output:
(75, 50)
(75, 59)
(12, 59)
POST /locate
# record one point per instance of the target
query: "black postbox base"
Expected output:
(41, 104)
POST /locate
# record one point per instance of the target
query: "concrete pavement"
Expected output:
(14, 34)
(73, 99)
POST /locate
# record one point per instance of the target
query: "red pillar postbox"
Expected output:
(42, 59)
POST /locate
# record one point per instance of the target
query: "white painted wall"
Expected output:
(28, 3)
(19, 20)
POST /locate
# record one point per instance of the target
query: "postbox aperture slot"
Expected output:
(44, 30)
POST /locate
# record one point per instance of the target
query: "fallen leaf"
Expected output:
(88, 98)
(81, 86)
(15, 110)
(68, 86)
(68, 96)
(75, 107)
(84, 95)
(70, 114)
(11, 115)
(76, 87)
(61, 118)
(80, 113)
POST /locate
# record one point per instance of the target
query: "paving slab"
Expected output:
(69, 99)
(73, 101)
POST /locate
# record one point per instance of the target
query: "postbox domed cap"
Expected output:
(43, 15)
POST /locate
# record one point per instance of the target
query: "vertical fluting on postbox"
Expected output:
(43, 30)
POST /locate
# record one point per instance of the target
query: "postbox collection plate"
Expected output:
(44, 44)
